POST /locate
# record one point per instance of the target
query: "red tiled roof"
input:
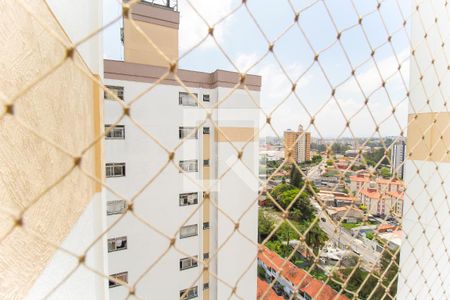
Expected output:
(359, 178)
(345, 198)
(389, 181)
(317, 289)
(262, 287)
(371, 194)
(378, 180)
(288, 269)
(386, 227)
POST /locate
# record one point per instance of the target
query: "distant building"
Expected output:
(297, 145)
(362, 181)
(346, 214)
(388, 203)
(397, 159)
(290, 148)
(303, 145)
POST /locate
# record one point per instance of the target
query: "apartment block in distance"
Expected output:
(178, 194)
(398, 156)
(297, 145)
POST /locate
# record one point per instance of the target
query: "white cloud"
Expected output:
(370, 79)
(192, 27)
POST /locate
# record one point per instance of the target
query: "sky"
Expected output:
(243, 39)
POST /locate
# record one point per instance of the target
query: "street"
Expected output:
(340, 237)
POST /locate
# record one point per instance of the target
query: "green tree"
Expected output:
(261, 273)
(265, 225)
(385, 172)
(316, 159)
(339, 148)
(315, 238)
(301, 210)
(281, 188)
(296, 177)
(329, 162)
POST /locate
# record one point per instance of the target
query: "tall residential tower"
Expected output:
(179, 194)
(297, 145)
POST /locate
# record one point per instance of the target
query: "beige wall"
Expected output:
(139, 50)
(428, 136)
(60, 108)
(290, 138)
(235, 134)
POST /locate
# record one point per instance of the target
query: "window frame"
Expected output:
(190, 102)
(189, 136)
(207, 98)
(108, 213)
(191, 234)
(188, 161)
(206, 225)
(181, 203)
(189, 294)
(113, 240)
(109, 135)
(192, 262)
(113, 284)
(122, 165)
(120, 92)
(206, 130)
(206, 163)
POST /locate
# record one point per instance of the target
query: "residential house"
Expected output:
(294, 279)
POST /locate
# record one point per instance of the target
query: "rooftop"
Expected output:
(262, 287)
(317, 289)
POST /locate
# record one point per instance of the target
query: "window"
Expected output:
(206, 286)
(206, 162)
(115, 169)
(205, 98)
(205, 225)
(187, 99)
(189, 262)
(189, 132)
(188, 199)
(115, 133)
(189, 293)
(189, 165)
(119, 276)
(205, 130)
(116, 207)
(117, 244)
(114, 90)
(188, 231)
(206, 255)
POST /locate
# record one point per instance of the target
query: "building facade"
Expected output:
(398, 156)
(297, 145)
(183, 140)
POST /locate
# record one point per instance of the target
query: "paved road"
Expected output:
(340, 237)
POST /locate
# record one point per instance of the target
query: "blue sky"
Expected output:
(244, 44)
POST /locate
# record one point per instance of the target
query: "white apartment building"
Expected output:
(398, 156)
(202, 174)
(303, 147)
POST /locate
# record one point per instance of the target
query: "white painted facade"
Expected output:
(398, 156)
(161, 115)
(424, 256)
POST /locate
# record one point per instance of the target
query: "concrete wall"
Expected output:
(61, 108)
(424, 258)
